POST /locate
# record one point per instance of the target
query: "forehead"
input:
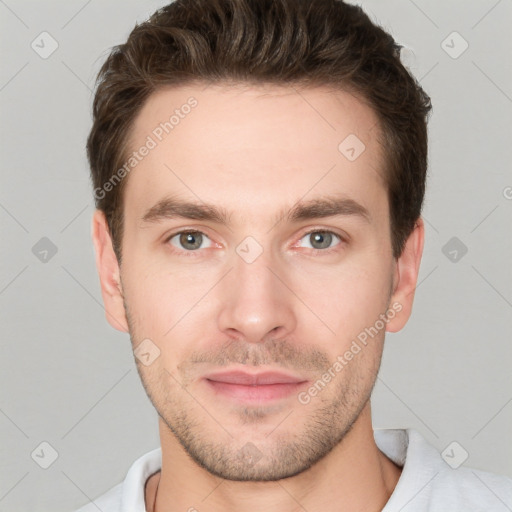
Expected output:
(254, 148)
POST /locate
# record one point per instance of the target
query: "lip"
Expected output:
(254, 387)
(254, 379)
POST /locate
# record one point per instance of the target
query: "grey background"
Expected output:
(68, 378)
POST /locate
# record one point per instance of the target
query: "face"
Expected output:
(257, 279)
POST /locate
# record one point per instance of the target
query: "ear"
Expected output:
(406, 276)
(109, 274)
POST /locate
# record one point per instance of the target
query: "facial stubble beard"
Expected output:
(283, 455)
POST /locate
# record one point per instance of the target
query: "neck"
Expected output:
(355, 475)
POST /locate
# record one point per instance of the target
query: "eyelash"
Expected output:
(183, 252)
(195, 253)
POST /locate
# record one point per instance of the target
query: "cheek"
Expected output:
(159, 296)
(348, 299)
(166, 302)
(167, 307)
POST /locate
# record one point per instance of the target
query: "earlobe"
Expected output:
(406, 277)
(109, 273)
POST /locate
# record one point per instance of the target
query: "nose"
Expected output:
(257, 303)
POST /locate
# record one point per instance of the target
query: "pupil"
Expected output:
(323, 240)
(192, 239)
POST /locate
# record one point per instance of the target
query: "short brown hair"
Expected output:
(277, 42)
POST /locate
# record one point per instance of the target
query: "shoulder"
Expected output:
(470, 489)
(129, 494)
(431, 483)
(108, 502)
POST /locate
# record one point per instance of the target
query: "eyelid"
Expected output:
(184, 230)
(342, 237)
(184, 252)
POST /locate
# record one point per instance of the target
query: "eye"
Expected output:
(321, 239)
(189, 240)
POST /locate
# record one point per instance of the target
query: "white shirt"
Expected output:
(427, 482)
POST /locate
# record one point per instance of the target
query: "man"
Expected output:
(259, 171)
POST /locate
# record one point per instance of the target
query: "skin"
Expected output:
(257, 151)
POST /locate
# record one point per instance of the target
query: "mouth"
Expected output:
(254, 387)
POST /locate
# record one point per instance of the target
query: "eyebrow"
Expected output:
(170, 208)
